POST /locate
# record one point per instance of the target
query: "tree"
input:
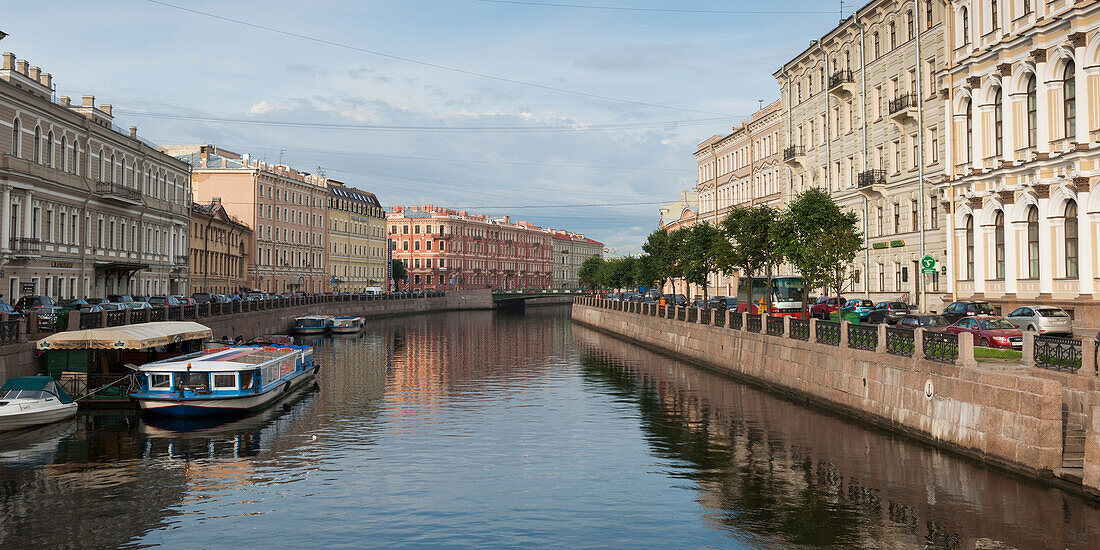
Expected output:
(820, 240)
(399, 271)
(755, 245)
(645, 272)
(587, 274)
(697, 254)
(659, 247)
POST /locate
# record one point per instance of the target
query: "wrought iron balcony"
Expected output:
(840, 77)
(26, 246)
(903, 103)
(794, 151)
(118, 192)
(180, 259)
(868, 178)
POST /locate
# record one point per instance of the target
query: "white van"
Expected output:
(372, 290)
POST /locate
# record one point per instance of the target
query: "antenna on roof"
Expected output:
(281, 151)
(841, 10)
(321, 171)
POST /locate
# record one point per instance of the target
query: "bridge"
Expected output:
(518, 299)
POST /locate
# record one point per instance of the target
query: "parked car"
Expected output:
(1043, 319)
(97, 301)
(203, 297)
(113, 306)
(926, 321)
(989, 331)
(675, 299)
(861, 306)
(825, 306)
(11, 311)
(27, 303)
(185, 301)
(163, 301)
(138, 305)
(120, 298)
(888, 312)
(83, 306)
(722, 303)
(958, 310)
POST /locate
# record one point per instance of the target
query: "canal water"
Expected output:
(506, 430)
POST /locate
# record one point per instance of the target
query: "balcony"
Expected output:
(794, 156)
(24, 247)
(180, 259)
(871, 182)
(903, 110)
(118, 193)
(842, 85)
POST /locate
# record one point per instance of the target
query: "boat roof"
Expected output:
(324, 317)
(37, 383)
(347, 317)
(140, 336)
(224, 359)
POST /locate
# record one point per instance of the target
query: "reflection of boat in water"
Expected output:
(34, 447)
(27, 401)
(170, 426)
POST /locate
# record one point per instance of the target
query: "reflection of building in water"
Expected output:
(776, 469)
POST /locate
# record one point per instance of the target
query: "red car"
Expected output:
(989, 332)
(825, 306)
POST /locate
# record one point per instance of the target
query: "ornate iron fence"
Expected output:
(775, 326)
(863, 337)
(706, 316)
(681, 313)
(736, 321)
(1056, 353)
(800, 329)
(116, 318)
(900, 341)
(90, 320)
(203, 310)
(828, 333)
(139, 315)
(942, 347)
(755, 323)
(9, 332)
(175, 313)
(692, 315)
(158, 314)
(719, 318)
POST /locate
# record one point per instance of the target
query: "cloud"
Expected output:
(640, 59)
(307, 70)
(265, 106)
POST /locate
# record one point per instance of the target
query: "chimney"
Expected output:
(9, 61)
(21, 66)
(88, 101)
(65, 101)
(106, 108)
(46, 80)
(133, 132)
(34, 73)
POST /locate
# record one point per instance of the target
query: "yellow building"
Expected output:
(219, 248)
(357, 256)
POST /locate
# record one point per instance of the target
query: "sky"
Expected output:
(579, 118)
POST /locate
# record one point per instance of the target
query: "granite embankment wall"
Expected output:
(18, 359)
(1013, 419)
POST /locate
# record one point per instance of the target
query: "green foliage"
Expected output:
(755, 245)
(698, 251)
(660, 247)
(588, 273)
(645, 272)
(399, 271)
(820, 240)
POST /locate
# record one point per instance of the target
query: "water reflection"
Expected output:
(776, 469)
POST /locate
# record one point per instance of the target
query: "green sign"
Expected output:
(928, 264)
(883, 244)
(895, 244)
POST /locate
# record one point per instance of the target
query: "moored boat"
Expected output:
(346, 324)
(28, 401)
(311, 324)
(236, 379)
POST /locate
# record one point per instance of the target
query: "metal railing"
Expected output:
(755, 323)
(9, 332)
(26, 245)
(139, 316)
(800, 329)
(158, 314)
(116, 318)
(902, 102)
(900, 341)
(775, 326)
(1052, 352)
(868, 178)
(190, 312)
(692, 314)
(90, 320)
(706, 316)
(719, 318)
(863, 337)
(794, 151)
(736, 321)
(828, 333)
(109, 189)
(942, 347)
(681, 314)
(840, 77)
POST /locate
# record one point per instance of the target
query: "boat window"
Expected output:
(225, 381)
(24, 394)
(160, 381)
(247, 379)
(192, 379)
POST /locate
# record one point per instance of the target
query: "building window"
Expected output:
(897, 218)
(934, 144)
(1069, 98)
(969, 131)
(61, 158)
(928, 14)
(964, 16)
(998, 121)
(1032, 112)
(999, 242)
(1027, 7)
(16, 135)
(875, 46)
(934, 213)
(909, 24)
(49, 149)
(970, 248)
(914, 216)
(993, 12)
(1033, 242)
(37, 145)
(893, 36)
(1071, 239)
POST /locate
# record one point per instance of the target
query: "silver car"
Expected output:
(1043, 319)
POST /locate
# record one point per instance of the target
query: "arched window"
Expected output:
(37, 145)
(970, 248)
(998, 123)
(909, 24)
(16, 135)
(49, 149)
(893, 35)
(102, 163)
(928, 14)
(64, 153)
(994, 23)
(1032, 112)
(969, 130)
(1071, 239)
(999, 242)
(1069, 97)
(964, 17)
(113, 174)
(875, 48)
(1033, 242)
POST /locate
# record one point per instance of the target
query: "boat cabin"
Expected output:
(224, 371)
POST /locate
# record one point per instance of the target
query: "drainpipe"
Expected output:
(866, 151)
(923, 294)
(828, 127)
(790, 135)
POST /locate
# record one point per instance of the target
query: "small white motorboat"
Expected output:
(346, 325)
(311, 324)
(33, 401)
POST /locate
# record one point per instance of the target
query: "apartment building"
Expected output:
(449, 249)
(220, 246)
(1020, 90)
(88, 209)
(286, 209)
(570, 251)
(864, 123)
(357, 254)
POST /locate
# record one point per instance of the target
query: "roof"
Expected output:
(37, 383)
(142, 336)
(353, 194)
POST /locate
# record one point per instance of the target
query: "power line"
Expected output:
(397, 128)
(658, 10)
(428, 64)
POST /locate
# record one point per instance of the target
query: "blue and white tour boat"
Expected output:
(347, 324)
(237, 379)
(311, 324)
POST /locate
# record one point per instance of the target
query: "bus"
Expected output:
(786, 299)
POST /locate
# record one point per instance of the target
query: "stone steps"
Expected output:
(1073, 447)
